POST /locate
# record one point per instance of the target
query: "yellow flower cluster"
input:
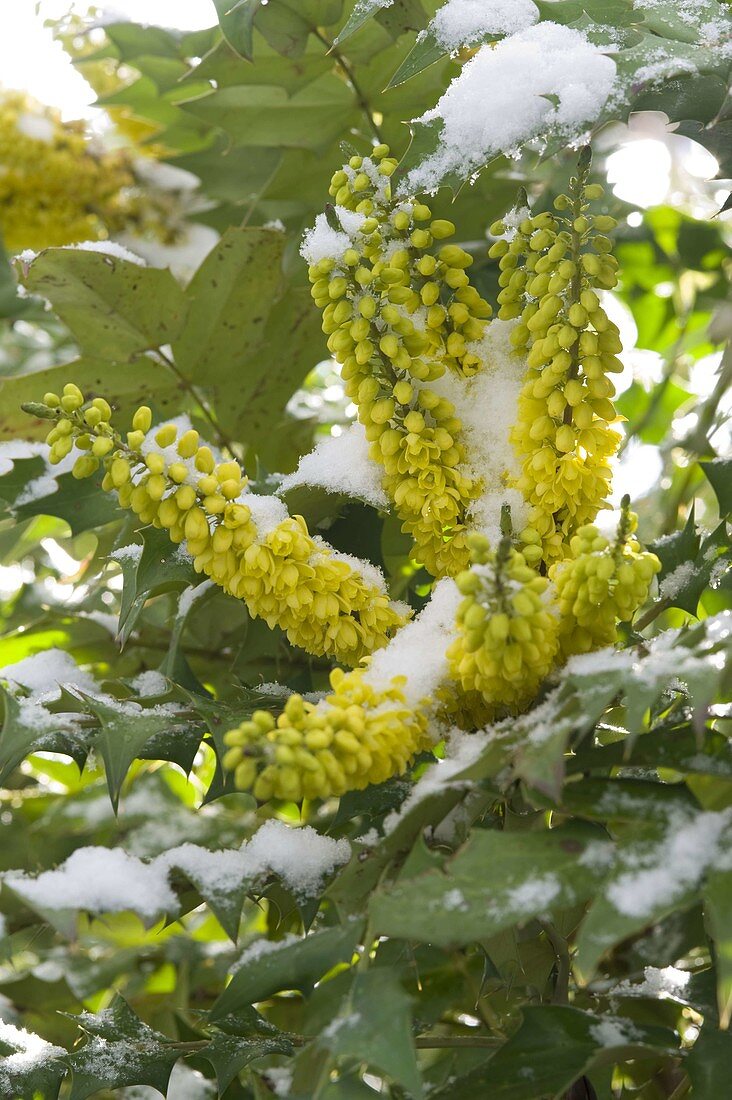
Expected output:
(357, 735)
(601, 585)
(506, 639)
(397, 317)
(174, 482)
(551, 271)
(55, 189)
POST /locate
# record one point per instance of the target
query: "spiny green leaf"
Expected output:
(531, 874)
(290, 965)
(373, 1025)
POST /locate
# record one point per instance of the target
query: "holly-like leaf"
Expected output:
(121, 1050)
(236, 19)
(124, 731)
(230, 1054)
(531, 874)
(291, 964)
(719, 475)
(373, 1025)
(554, 1046)
(653, 874)
(159, 567)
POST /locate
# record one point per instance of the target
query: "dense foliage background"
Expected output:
(434, 962)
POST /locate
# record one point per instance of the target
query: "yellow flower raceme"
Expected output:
(603, 584)
(55, 188)
(357, 735)
(397, 317)
(507, 638)
(246, 543)
(551, 271)
(368, 728)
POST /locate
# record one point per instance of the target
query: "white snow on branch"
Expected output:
(109, 880)
(465, 22)
(663, 872)
(30, 1051)
(418, 650)
(102, 880)
(42, 674)
(545, 79)
(108, 248)
(674, 582)
(487, 405)
(341, 464)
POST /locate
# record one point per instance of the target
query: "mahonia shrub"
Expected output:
(365, 592)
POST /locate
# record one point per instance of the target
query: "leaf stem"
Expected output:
(188, 386)
(350, 77)
(561, 950)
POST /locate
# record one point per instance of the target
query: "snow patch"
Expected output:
(341, 464)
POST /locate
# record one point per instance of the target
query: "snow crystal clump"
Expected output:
(465, 22)
(418, 650)
(486, 406)
(301, 856)
(498, 102)
(673, 583)
(341, 464)
(664, 872)
(322, 242)
(42, 673)
(108, 248)
(102, 880)
(30, 1051)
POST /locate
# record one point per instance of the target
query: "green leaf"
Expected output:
(289, 965)
(373, 1025)
(360, 15)
(126, 389)
(230, 1054)
(652, 876)
(114, 308)
(266, 116)
(121, 1051)
(20, 735)
(718, 912)
(719, 475)
(124, 731)
(531, 874)
(11, 306)
(160, 567)
(708, 1064)
(230, 298)
(83, 504)
(236, 19)
(39, 1079)
(291, 345)
(425, 52)
(553, 1047)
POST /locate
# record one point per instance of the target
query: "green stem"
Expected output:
(188, 386)
(349, 74)
(561, 950)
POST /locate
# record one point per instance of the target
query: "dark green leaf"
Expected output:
(290, 965)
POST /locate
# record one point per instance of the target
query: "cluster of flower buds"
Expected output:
(55, 186)
(506, 639)
(553, 266)
(175, 482)
(359, 734)
(602, 584)
(399, 311)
